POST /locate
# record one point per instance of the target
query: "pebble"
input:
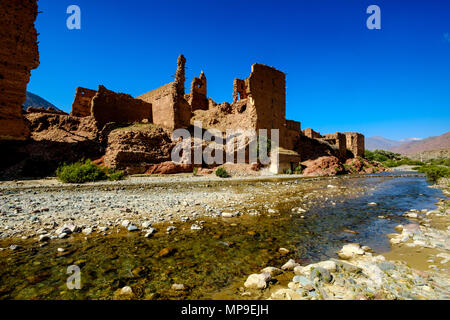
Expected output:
(126, 291)
(87, 231)
(132, 228)
(44, 237)
(171, 228)
(178, 287)
(290, 265)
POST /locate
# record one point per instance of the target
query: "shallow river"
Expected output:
(224, 253)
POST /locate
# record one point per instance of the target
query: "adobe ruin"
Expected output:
(259, 102)
(343, 142)
(170, 109)
(18, 56)
(81, 106)
(107, 106)
(355, 143)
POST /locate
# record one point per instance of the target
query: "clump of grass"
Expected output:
(86, 171)
(222, 173)
(287, 171)
(298, 169)
(195, 171)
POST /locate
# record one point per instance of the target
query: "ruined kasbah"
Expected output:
(136, 135)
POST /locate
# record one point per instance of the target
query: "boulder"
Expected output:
(169, 167)
(257, 281)
(323, 166)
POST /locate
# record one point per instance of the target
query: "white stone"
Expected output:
(228, 215)
(178, 287)
(290, 265)
(257, 281)
(125, 223)
(87, 231)
(146, 224)
(272, 271)
(44, 237)
(349, 251)
(126, 291)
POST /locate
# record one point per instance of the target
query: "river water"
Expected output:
(223, 253)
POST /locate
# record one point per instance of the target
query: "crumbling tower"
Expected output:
(197, 98)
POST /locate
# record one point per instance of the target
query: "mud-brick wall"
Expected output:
(81, 106)
(109, 106)
(339, 140)
(170, 109)
(18, 56)
(355, 143)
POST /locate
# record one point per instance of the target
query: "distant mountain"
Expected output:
(373, 143)
(34, 100)
(431, 143)
(431, 154)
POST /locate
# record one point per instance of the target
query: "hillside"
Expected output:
(34, 100)
(373, 143)
(431, 154)
(431, 143)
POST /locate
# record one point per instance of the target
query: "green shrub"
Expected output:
(434, 172)
(86, 171)
(381, 155)
(298, 169)
(116, 175)
(287, 171)
(405, 161)
(439, 162)
(222, 173)
(195, 171)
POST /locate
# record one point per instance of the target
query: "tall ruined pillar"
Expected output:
(179, 76)
(18, 56)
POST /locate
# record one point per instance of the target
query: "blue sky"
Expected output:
(341, 76)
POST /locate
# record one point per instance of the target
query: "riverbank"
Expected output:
(417, 267)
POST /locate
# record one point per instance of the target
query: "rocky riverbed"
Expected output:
(188, 237)
(46, 209)
(416, 268)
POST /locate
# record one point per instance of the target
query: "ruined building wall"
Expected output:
(108, 106)
(292, 134)
(339, 140)
(197, 97)
(18, 56)
(267, 92)
(239, 90)
(169, 107)
(310, 133)
(81, 106)
(355, 143)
